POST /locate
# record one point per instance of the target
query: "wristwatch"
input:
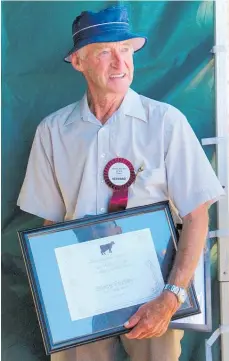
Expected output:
(178, 291)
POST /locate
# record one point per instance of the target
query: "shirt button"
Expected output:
(102, 209)
(103, 155)
(102, 181)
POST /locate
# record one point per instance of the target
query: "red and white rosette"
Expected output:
(119, 174)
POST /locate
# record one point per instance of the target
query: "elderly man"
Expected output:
(65, 174)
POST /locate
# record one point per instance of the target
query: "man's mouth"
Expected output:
(114, 76)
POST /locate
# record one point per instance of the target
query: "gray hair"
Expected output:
(82, 53)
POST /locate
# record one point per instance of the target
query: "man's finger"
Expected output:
(137, 331)
(156, 331)
(150, 334)
(160, 332)
(142, 335)
(133, 321)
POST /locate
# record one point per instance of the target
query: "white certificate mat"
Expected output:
(109, 273)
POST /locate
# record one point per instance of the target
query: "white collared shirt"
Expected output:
(64, 178)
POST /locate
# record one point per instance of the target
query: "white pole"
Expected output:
(222, 128)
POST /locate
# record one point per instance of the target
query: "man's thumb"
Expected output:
(132, 321)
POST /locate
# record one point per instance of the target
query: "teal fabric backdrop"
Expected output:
(176, 66)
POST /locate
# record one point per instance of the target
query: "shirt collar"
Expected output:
(74, 115)
(131, 106)
(81, 111)
(86, 113)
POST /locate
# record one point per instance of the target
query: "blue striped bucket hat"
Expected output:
(109, 25)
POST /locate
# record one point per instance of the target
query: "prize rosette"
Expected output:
(119, 174)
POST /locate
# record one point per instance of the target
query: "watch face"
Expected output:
(182, 295)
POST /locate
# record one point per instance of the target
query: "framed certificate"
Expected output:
(88, 276)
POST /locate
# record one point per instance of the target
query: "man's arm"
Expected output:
(191, 244)
(152, 319)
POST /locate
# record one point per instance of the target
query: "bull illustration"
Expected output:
(106, 247)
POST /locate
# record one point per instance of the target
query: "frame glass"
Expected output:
(79, 273)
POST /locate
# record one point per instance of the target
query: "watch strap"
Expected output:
(179, 292)
(172, 288)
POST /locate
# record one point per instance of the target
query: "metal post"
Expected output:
(222, 128)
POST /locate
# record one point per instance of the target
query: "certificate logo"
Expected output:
(106, 247)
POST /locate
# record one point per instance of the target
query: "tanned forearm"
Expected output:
(191, 244)
(153, 318)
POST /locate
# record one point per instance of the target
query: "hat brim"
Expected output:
(138, 42)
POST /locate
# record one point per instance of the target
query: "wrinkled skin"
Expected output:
(101, 62)
(108, 70)
(152, 319)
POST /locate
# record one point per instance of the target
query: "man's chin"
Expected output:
(118, 88)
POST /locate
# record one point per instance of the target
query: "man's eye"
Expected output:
(104, 52)
(125, 50)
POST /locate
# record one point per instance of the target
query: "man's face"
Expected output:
(108, 67)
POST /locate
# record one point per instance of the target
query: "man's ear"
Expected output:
(76, 62)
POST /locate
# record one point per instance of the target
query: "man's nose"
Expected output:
(117, 59)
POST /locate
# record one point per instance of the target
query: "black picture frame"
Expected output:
(38, 247)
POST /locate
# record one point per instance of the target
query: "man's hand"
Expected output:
(152, 319)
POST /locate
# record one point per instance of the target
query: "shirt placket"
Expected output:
(102, 158)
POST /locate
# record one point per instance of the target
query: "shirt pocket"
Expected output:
(149, 187)
(152, 177)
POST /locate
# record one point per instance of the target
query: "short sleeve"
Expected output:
(190, 176)
(40, 193)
